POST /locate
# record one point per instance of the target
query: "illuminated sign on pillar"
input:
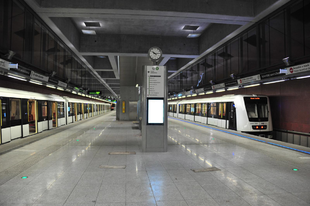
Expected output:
(123, 104)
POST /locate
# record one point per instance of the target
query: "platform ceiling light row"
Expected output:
(22, 78)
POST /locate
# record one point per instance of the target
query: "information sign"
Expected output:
(298, 68)
(155, 81)
(249, 79)
(38, 76)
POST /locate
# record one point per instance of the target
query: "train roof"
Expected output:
(225, 98)
(14, 93)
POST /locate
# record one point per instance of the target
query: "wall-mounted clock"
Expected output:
(155, 53)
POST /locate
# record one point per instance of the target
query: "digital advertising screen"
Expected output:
(155, 111)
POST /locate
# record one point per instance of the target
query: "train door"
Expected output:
(232, 115)
(32, 116)
(54, 114)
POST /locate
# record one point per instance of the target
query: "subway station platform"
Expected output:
(86, 163)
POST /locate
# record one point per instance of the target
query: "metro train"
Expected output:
(24, 113)
(244, 113)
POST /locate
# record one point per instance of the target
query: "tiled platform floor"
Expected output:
(64, 169)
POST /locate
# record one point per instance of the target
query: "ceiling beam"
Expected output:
(114, 65)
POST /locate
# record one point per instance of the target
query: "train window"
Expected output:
(180, 108)
(204, 109)
(198, 109)
(44, 110)
(192, 108)
(15, 109)
(257, 108)
(73, 108)
(188, 109)
(222, 111)
(69, 109)
(4, 112)
(86, 108)
(60, 110)
(78, 108)
(213, 109)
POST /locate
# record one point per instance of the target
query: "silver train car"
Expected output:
(244, 113)
(24, 113)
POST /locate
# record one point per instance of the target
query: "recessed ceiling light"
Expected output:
(193, 35)
(90, 32)
(92, 24)
(190, 28)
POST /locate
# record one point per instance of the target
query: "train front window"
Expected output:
(257, 108)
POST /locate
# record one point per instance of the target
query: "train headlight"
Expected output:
(257, 127)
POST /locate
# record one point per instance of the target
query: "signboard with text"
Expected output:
(155, 81)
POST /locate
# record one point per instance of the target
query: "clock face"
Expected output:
(155, 53)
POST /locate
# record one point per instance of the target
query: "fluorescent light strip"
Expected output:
(303, 77)
(209, 92)
(194, 95)
(59, 88)
(251, 85)
(18, 78)
(36, 82)
(220, 90)
(189, 95)
(232, 88)
(50, 86)
(74, 92)
(202, 93)
(272, 82)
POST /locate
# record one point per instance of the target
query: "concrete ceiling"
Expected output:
(130, 29)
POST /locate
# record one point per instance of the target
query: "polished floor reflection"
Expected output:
(69, 168)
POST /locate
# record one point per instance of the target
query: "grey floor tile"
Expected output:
(166, 192)
(172, 203)
(112, 193)
(287, 199)
(80, 194)
(201, 202)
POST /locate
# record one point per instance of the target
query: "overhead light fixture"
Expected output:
(189, 95)
(13, 76)
(137, 85)
(190, 28)
(10, 54)
(232, 88)
(92, 24)
(74, 92)
(232, 76)
(202, 93)
(272, 82)
(36, 82)
(220, 90)
(194, 95)
(60, 88)
(287, 61)
(50, 86)
(303, 77)
(251, 85)
(193, 35)
(89, 32)
(209, 92)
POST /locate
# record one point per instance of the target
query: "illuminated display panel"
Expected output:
(155, 111)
